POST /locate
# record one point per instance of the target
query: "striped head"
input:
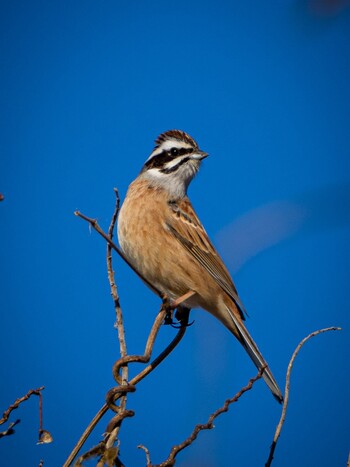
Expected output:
(174, 162)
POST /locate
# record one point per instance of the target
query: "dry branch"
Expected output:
(18, 402)
(133, 382)
(9, 430)
(287, 389)
(170, 461)
(115, 424)
(106, 448)
(44, 435)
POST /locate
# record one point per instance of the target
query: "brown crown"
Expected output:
(175, 134)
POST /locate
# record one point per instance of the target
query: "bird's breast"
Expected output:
(146, 241)
(156, 253)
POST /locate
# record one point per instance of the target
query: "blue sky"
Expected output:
(86, 87)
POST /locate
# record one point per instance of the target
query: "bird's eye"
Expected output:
(174, 151)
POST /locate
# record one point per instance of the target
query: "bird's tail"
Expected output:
(240, 331)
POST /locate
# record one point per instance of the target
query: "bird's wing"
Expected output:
(184, 224)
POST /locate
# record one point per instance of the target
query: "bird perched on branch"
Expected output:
(162, 237)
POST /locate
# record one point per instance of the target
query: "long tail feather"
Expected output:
(254, 353)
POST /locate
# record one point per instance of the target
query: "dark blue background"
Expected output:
(86, 87)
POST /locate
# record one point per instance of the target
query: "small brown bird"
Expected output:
(162, 237)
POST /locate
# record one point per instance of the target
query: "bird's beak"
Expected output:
(199, 155)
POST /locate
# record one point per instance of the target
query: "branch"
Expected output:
(133, 382)
(111, 435)
(121, 390)
(18, 402)
(170, 461)
(105, 449)
(9, 430)
(44, 435)
(287, 388)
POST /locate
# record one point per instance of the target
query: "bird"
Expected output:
(163, 239)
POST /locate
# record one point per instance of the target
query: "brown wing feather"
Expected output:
(188, 230)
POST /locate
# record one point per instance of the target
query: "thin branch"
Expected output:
(147, 454)
(162, 356)
(148, 349)
(287, 389)
(112, 434)
(18, 402)
(113, 286)
(170, 461)
(134, 381)
(44, 435)
(9, 430)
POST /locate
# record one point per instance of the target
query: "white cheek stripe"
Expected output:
(174, 162)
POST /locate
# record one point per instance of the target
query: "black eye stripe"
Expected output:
(183, 151)
(159, 160)
(165, 156)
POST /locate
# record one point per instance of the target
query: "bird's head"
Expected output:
(174, 162)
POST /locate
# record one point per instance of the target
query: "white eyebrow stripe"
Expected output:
(173, 143)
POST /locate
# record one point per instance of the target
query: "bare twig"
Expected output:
(287, 388)
(9, 430)
(170, 461)
(124, 386)
(44, 435)
(148, 349)
(106, 447)
(18, 402)
(115, 424)
(134, 381)
(147, 454)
